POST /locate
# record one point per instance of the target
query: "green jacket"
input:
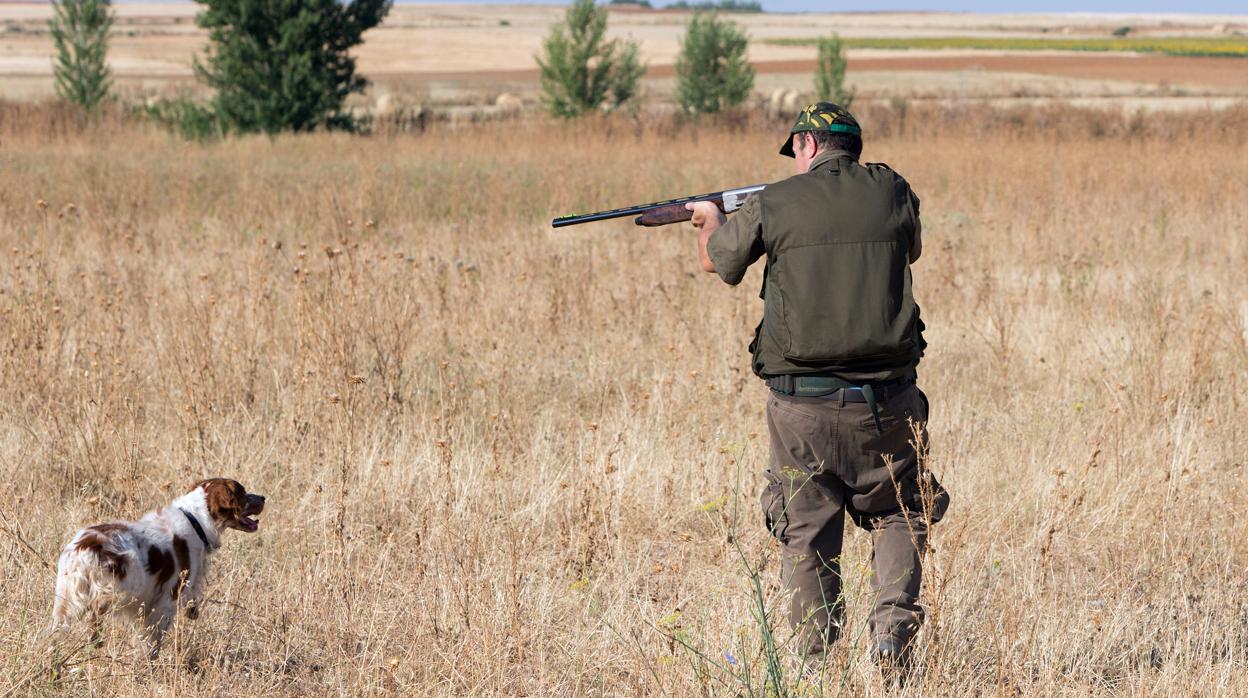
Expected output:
(837, 300)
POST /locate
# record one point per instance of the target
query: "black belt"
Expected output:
(829, 387)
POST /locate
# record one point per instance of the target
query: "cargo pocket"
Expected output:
(937, 495)
(934, 498)
(896, 413)
(774, 515)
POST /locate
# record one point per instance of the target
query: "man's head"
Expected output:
(820, 127)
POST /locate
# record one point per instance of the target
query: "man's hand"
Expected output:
(707, 218)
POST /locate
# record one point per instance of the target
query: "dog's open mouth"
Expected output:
(255, 505)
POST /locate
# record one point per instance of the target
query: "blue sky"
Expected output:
(1116, 6)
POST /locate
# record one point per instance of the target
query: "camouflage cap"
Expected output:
(822, 116)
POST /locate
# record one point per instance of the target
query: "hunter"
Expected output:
(838, 346)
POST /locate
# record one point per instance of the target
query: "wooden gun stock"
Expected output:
(672, 213)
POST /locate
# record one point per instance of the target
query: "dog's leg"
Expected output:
(100, 607)
(60, 618)
(66, 608)
(159, 619)
(148, 641)
(194, 597)
(51, 637)
(152, 632)
(64, 618)
(156, 636)
(67, 601)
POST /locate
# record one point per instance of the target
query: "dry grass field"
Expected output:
(507, 460)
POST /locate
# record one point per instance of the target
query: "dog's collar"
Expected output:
(199, 530)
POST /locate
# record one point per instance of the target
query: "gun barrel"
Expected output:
(731, 197)
(561, 221)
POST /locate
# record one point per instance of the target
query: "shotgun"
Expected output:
(665, 212)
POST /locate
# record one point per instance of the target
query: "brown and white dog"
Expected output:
(147, 569)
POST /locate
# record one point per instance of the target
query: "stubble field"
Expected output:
(503, 459)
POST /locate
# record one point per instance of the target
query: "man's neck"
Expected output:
(826, 155)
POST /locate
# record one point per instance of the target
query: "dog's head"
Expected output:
(230, 505)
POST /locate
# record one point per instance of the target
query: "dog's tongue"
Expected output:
(249, 523)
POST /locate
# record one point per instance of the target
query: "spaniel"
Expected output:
(149, 568)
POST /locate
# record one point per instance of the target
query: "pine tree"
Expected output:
(80, 32)
(581, 71)
(284, 64)
(712, 72)
(830, 72)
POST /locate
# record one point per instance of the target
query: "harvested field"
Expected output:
(1152, 69)
(1230, 47)
(466, 54)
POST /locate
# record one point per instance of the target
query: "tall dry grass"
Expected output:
(502, 459)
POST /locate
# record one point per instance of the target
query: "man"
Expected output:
(838, 346)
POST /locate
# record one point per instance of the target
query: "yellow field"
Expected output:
(505, 460)
(1173, 46)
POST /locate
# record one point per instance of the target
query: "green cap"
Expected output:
(822, 116)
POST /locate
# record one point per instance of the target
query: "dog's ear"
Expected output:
(226, 499)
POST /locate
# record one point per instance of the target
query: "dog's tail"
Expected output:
(86, 580)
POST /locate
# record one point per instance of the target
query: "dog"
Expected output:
(150, 568)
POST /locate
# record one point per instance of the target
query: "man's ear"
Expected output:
(807, 140)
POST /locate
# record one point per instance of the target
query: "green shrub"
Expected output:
(581, 71)
(284, 66)
(188, 118)
(80, 33)
(712, 72)
(830, 72)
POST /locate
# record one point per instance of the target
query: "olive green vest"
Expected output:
(836, 290)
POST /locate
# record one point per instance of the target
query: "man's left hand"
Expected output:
(706, 217)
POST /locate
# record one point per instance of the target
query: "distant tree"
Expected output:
(80, 33)
(632, 3)
(581, 70)
(830, 72)
(1122, 31)
(721, 5)
(712, 72)
(284, 64)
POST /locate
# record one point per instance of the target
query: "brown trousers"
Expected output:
(828, 458)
